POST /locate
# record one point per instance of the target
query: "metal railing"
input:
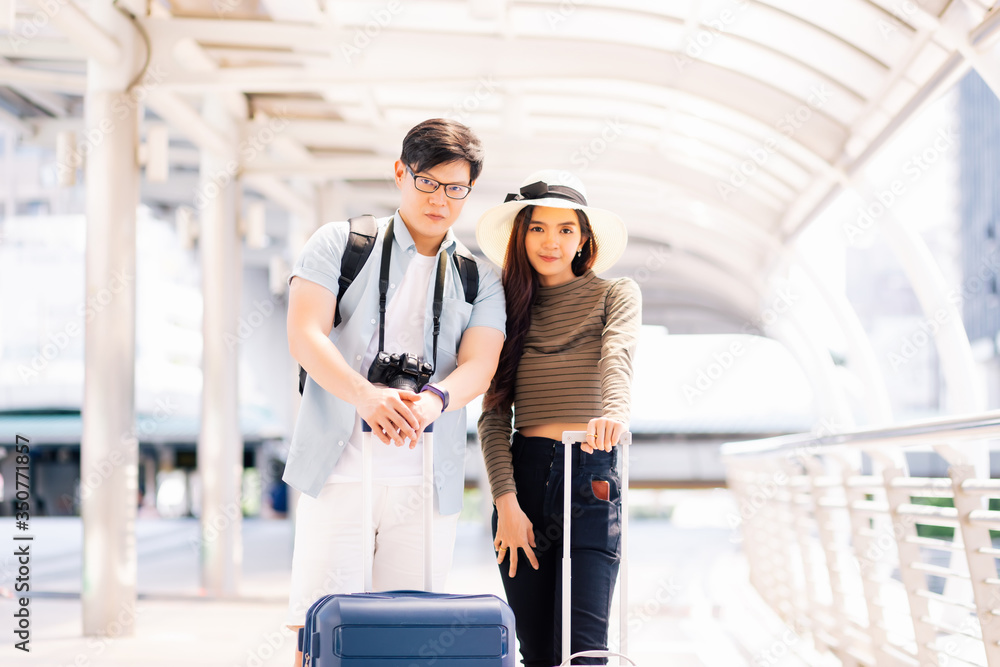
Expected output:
(876, 566)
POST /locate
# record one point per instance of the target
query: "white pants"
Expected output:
(327, 556)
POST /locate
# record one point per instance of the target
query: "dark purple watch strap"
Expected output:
(441, 393)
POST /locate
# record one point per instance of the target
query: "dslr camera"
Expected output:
(400, 371)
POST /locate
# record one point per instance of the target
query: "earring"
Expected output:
(579, 252)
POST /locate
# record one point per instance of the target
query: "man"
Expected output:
(437, 168)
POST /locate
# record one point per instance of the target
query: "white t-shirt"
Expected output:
(404, 332)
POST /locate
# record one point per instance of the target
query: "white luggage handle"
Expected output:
(596, 654)
(569, 438)
(427, 490)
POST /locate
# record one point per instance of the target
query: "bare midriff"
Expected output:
(553, 431)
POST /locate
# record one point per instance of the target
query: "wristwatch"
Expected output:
(441, 392)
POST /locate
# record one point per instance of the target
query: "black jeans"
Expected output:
(536, 595)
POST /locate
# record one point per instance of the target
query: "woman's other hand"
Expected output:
(602, 433)
(514, 531)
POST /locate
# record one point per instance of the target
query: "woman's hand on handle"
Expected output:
(514, 531)
(603, 433)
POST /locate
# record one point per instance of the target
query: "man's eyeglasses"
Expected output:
(451, 190)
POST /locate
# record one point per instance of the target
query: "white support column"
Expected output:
(220, 444)
(964, 392)
(862, 355)
(108, 441)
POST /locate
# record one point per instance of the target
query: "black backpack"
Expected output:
(360, 242)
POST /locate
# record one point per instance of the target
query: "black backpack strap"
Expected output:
(468, 271)
(360, 241)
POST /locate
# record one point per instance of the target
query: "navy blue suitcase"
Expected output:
(406, 628)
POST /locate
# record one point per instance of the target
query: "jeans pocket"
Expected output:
(596, 520)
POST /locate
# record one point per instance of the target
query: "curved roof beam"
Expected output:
(506, 59)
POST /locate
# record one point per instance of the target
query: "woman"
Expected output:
(566, 365)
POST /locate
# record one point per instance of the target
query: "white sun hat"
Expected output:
(557, 189)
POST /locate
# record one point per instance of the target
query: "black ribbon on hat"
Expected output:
(542, 190)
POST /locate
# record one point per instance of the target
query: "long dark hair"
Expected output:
(520, 286)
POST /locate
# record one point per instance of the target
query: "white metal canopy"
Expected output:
(717, 127)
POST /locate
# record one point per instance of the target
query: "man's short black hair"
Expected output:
(439, 141)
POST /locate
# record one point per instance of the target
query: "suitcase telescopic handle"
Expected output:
(569, 438)
(427, 491)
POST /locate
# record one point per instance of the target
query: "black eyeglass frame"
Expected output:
(468, 188)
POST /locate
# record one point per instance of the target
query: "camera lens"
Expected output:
(403, 382)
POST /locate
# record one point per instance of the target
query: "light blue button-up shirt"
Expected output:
(325, 422)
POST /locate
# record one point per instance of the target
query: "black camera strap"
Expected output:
(439, 300)
(383, 287)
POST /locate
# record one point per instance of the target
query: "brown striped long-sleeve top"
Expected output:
(576, 365)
